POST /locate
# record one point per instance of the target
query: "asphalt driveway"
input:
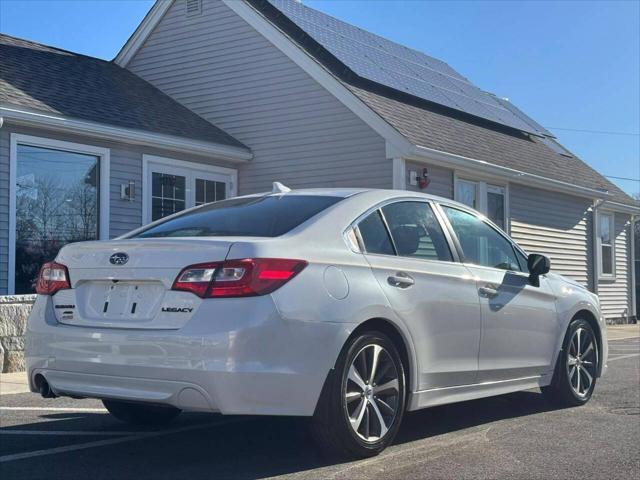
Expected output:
(514, 436)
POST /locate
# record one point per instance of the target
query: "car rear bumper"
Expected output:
(231, 357)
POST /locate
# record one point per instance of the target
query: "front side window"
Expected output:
(56, 203)
(481, 244)
(605, 237)
(266, 216)
(416, 232)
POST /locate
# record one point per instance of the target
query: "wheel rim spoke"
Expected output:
(588, 350)
(385, 407)
(355, 377)
(357, 421)
(572, 360)
(386, 388)
(367, 421)
(383, 425)
(377, 349)
(353, 396)
(589, 378)
(578, 335)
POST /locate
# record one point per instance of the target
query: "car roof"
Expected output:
(375, 194)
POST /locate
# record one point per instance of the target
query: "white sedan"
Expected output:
(347, 306)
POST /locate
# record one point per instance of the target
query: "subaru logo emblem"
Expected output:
(119, 258)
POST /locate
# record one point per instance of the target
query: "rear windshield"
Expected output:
(268, 216)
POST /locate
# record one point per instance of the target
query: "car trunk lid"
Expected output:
(127, 283)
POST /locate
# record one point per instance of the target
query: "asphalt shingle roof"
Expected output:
(435, 126)
(51, 80)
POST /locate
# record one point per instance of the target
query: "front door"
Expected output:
(433, 295)
(519, 321)
(173, 186)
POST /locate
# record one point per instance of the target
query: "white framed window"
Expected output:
(606, 245)
(58, 193)
(489, 199)
(170, 186)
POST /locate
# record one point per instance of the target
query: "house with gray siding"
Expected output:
(214, 98)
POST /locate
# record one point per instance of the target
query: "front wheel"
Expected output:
(574, 378)
(140, 413)
(363, 400)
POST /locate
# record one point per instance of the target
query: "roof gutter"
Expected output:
(128, 135)
(621, 207)
(437, 157)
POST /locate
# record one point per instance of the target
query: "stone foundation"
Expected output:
(14, 310)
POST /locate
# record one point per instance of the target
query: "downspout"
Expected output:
(632, 228)
(594, 243)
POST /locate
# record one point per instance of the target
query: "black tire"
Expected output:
(330, 425)
(562, 390)
(140, 413)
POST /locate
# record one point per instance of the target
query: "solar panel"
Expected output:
(387, 63)
(510, 106)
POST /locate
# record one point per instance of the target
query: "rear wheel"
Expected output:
(574, 378)
(141, 414)
(362, 402)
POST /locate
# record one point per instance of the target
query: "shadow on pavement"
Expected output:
(254, 448)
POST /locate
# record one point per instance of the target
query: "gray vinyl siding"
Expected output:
(441, 179)
(125, 166)
(4, 209)
(556, 225)
(615, 295)
(221, 68)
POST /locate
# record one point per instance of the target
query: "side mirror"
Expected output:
(537, 265)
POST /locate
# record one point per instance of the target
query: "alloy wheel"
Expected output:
(372, 393)
(582, 361)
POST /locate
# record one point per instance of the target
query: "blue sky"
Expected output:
(570, 65)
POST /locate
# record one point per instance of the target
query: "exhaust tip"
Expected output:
(43, 386)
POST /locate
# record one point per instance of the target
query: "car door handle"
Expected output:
(489, 291)
(400, 280)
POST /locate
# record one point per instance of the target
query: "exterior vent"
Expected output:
(193, 7)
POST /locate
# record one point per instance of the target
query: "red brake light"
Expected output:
(52, 277)
(238, 278)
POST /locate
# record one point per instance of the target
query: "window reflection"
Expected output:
(56, 203)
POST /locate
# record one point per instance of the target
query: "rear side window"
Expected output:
(374, 235)
(416, 231)
(267, 216)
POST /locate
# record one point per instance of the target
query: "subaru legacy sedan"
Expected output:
(350, 307)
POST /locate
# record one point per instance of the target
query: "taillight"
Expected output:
(238, 278)
(52, 277)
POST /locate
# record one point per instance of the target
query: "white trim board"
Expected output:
(609, 277)
(229, 176)
(135, 41)
(131, 136)
(104, 188)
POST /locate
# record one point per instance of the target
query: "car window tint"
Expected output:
(266, 216)
(481, 243)
(523, 261)
(375, 236)
(416, 232)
